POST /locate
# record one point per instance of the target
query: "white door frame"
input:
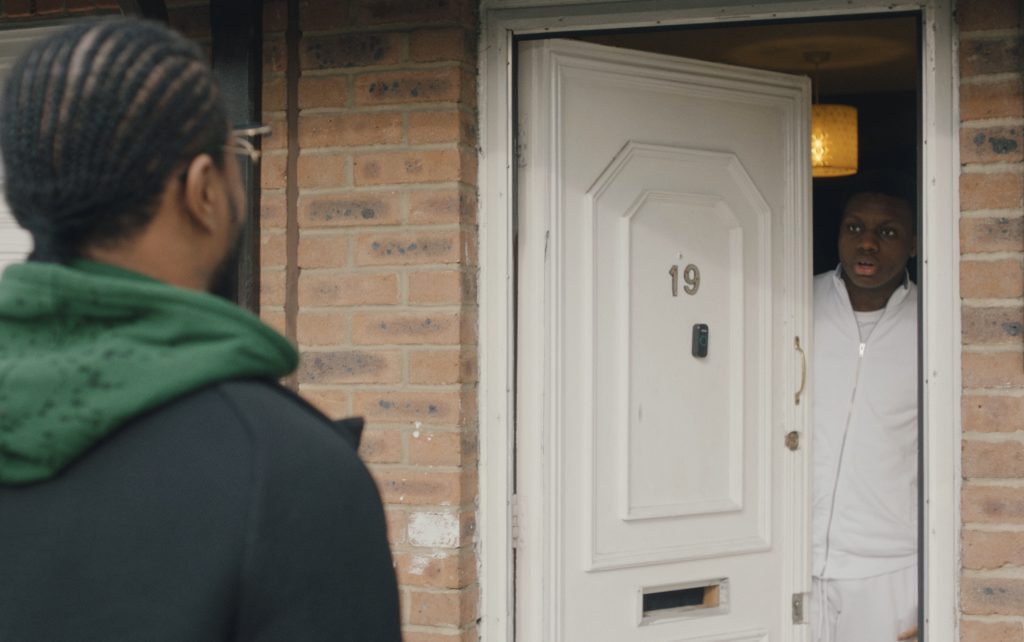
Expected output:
(939, 237)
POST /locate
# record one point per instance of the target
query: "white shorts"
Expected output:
(875, 609)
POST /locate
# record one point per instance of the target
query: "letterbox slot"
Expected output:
(683, 600)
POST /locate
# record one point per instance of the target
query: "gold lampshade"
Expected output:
(833, 140)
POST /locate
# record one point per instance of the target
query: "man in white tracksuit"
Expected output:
(865, 425)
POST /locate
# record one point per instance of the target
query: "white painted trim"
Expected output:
(501, 19)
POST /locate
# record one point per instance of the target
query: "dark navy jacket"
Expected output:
(236, 512)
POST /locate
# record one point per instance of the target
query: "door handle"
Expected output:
(803, 370)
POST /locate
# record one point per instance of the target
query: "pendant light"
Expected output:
(833, 131)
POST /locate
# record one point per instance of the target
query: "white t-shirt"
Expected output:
(866, 322)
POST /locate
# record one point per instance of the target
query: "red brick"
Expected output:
(444, 608)
(44, 7)
(397, 520)
(274, 317)
(469, 327)
(418, 487)
(992, 549)
(79, 5)
(323, 251)
(1003, 278)
(989, 56)
(434, 569)
(442, 448)
(275, 56)
(335, 130)
(405, 87)
(351, 366)
(275, 94)
(991, 100)
(340, 51)
(993, 325)
(333, 288)
(977, 15)
(278, 136)
(272, 287)
(1000, 460)
(992, 413)
(440, 45)
(445, 206)
(193, 21)
(992, 596)
(323, 91)
(390, 406)
(17, 8)
(409, 249)
(996, 234)
(381, 446)
(438, 367)
(321, 15)
(322, 170)
(272, 250)
(442, 635)
(381, 168)
(980, 631)
(993, 369)
(272, 210)
(990, 191)
(438, 287)
(275, 16)
(467, 527)
(405, 329)
(274, 171)
(992, 504)
(333, 403)
(346, 210)
(451, 126)
(320, 328)
(414, 11)
(996, 144)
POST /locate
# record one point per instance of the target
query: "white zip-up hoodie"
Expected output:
(865, 434)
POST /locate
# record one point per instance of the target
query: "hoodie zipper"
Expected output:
(842, 449)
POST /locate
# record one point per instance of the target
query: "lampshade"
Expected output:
(833, 140)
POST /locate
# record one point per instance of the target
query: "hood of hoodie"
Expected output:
(84, 348)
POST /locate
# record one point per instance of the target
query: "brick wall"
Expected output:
(33, 10)
(992, 286)
(368, 256)
(369, 262)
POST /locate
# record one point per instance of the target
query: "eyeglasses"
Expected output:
(243, 147)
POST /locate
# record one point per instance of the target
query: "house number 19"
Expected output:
(691, 279)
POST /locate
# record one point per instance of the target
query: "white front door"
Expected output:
(664, 275)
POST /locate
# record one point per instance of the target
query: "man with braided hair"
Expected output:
(156, 483)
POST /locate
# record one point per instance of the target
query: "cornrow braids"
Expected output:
(94, 121)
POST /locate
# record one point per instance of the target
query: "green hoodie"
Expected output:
(85, 348)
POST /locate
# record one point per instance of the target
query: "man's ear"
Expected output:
(200, 192)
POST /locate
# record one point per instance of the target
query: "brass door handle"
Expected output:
(803, 370)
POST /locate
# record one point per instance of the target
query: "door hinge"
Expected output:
(514, 519)
(798, 608)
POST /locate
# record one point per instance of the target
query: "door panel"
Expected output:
(678, 241)
(659, 196)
